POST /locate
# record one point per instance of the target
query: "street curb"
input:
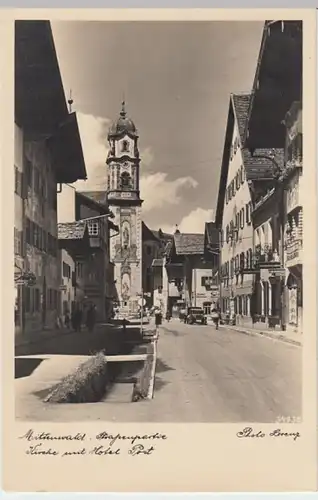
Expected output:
(269, 335)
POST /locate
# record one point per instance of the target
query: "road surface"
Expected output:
(208, 375)
(202, 375)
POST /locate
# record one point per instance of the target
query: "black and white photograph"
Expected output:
(158, 221)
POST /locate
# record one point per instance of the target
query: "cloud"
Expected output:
(147, 157)
(193, 222)
(93, 132)
(157, 191)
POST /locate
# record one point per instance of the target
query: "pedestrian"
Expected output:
(76, 319)
(91, 317)
(158, 320)
(215, 313)
(67, 319)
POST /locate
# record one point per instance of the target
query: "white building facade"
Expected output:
(234, 219)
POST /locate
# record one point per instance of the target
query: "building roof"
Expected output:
(98, 197)
(40, 103)
(71, 230)
(240, 105)
(113, 226)
(212, 234)
(148, 234)
(67, 152)
(162, 236)
(257, 167)
(189, 243)
(123, 125)
(277, 83)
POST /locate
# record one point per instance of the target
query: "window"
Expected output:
(17, 181)
(242, 174)
(28, 171)
(242, 218)
(44, 241)
(242, 260)
(248, 213)
(237, 262)
(93, 228)
(18, 242)
(125, 180)
(66, 270)
(125, 146)
(250, 257)
(227, 234)
(232, 268)
(240, 308)
(35, 235)
(148, 250)
(247, 260)
(222, 238)
(237, 181)
(235, 145)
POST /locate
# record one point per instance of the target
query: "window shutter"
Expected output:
(31, 233)
(243, 174)
(22, 236)
(24, 190)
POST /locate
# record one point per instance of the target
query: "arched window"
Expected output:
(125, 180)
(242, 260)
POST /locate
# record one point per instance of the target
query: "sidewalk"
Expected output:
(69, 342)
(287, 336)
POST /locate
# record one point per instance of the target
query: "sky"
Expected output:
(176, 78)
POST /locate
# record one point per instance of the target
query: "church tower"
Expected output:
(124, 200)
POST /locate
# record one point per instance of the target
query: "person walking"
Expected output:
(215, 313)
(77, 319)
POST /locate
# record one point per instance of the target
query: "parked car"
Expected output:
(195, 315)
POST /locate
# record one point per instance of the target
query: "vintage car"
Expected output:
(195, 315)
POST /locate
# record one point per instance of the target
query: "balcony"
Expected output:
(294, 252)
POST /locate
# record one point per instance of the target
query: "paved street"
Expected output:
(206, 375)
(202, 375)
